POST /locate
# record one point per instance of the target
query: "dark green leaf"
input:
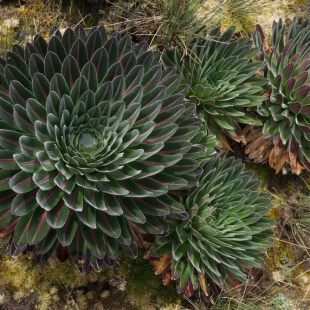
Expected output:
(7, 160)
(52, 65)
(24, 203)
(57, 216)
(30, 146)
(79, 52)
(22, 182)
(22, 120)
(68, 231)
(55, 46)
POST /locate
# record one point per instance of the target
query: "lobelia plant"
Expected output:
(222, 82)
(225, 234)
(93, 136)
(285, 137)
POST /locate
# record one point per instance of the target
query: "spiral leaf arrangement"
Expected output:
(222, 82)
(225, 233)
(93, 136)
(285, 136)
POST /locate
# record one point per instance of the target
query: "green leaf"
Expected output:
(162, 248)
(70, 70)
(80, 86)
(270, 127)
(6, 217)
(101, 62)
(109, 224)
(90, 73)
(111, 47)
(68, 39)
(68, 231)
(79, 52)
(30, 146)
(184, 278)
(133, 78)
(55, 46)
(80, 32)
(59, 85)
(47, 243)
(152, 225)
(179, 249)
(63, 183)
(18, 62)
(95, 241)
(35, 111)
(111, 247)
(151, 79)
(10, 140)
(131, 210)
(36, 64)
(128, 62)
(6, 200)
(114, 71)
(95, 199)
(21, 230)
(94, 42)
(194, 257)
(38, 227)
(78, 251)
(13, 74)
(46, 163)
(130, 249)
(48, 199)
(5, 176)
(52, 65)
(152, 206)
(74, 200)
(57, 216)
(40, 87)
(24, 203)
(51, 150)
(22, 182)
(52, 104)
(6, 111)
(88, 216)
(44, 179)
(7, 160)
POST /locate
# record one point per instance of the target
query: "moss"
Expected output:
(274, 212)
(54, 283)
(262, 171)
(280, 257)
(144, 289)
(22, 277)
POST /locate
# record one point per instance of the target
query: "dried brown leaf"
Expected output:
(202, 282)
(189, 290)
(166, 276)
(225, 143)
(163, 263)
(8, 230)
(262, 146)
(137, 234)
(234, 282)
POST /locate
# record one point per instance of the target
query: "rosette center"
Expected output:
(87, 142)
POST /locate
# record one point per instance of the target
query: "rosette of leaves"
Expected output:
(93, 136)
(226, 232)
(222, 82)
(285, 136)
